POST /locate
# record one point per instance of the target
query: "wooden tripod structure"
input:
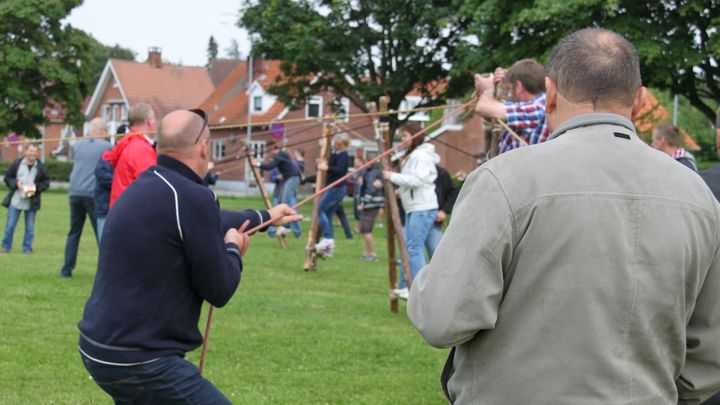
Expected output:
(259, 180)
(320, 180)
(392, 212)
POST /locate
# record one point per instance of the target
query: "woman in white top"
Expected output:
(417, 194)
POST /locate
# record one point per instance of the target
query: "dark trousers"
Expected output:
(80, 207)
(168, 380)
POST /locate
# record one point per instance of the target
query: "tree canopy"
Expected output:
(41, 62)
(101, 53)
(359, 49)
(363, 49)
(677, 41)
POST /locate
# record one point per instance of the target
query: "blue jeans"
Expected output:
(433, 239)
(100, 221)
(340, 212)
(169, 380)
(13, 216)
(80, 207)
(328, 204)
(288, 195)
(417, 228)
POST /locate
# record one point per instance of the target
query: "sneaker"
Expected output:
(282, 231)
(369, 258)
(325, 247)
(401, 293)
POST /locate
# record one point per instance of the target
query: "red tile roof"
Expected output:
(228, 104)
(653, 113)
(167, 88)
(221, 68)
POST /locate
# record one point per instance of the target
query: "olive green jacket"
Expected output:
(583, 270)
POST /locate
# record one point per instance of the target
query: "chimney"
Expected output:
(258, 66)
(155, 57)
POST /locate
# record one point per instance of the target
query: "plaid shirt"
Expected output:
(527, 119)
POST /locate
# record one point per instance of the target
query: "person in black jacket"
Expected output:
(290, 172)
(446, 194)
(337, 167)
(167, 247)
(27, 177)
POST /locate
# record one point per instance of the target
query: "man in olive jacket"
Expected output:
(26, 178)
(584, 270)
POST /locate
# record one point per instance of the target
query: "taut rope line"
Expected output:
(329, 186)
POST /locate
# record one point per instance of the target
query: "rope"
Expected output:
(237, 157)
(331, 117)
(516, 136)
(331, 185)
(314, 120)
(455, 148)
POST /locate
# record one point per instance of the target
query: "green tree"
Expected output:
(99, 56)
(233, 50)
(358, 49)
(212, 51)
(41, 62)
(677, 41)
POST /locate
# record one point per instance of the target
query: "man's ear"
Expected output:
(204, 148)
(550, 96)
(638, 103)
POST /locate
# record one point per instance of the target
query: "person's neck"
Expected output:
(528, 97)
(143, 129)
(566, 110)
(198, 166)
(670, 150)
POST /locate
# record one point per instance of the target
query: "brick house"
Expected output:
(165, 87)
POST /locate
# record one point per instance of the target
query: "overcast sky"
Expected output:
(181, 28)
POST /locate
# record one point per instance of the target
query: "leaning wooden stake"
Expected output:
(320, 179)
(261, 185)
(392, 214)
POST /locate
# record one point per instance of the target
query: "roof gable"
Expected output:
(166, 88)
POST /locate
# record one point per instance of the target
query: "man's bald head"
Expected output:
(595, 66)
(98, 127)
(178, 132)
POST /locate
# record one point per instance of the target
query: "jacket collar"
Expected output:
(587, 120)
(179, 167)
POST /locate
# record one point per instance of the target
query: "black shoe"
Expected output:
(65, 275)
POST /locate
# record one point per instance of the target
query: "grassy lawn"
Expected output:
(287, 337)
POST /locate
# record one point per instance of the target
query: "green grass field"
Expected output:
(286, 337)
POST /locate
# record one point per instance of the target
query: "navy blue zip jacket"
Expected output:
(287, 167)
(337, 167)
(162, 254)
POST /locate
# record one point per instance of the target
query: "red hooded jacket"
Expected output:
(130, 157)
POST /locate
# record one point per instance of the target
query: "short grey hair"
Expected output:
(595, 65)
(139, 113)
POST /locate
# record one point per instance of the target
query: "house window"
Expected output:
(106, 112)
(257, 103)
(313, 109)
(218, 150)
(258, 150)
(342, 109)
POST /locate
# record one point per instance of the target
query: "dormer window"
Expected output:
(257, 103)
(313, 109)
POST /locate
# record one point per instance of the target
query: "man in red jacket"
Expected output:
(135, 152)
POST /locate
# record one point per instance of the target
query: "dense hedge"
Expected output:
(58, 171)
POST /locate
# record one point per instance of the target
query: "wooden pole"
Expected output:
(392, 213)
(320, 179)
(261, 185)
